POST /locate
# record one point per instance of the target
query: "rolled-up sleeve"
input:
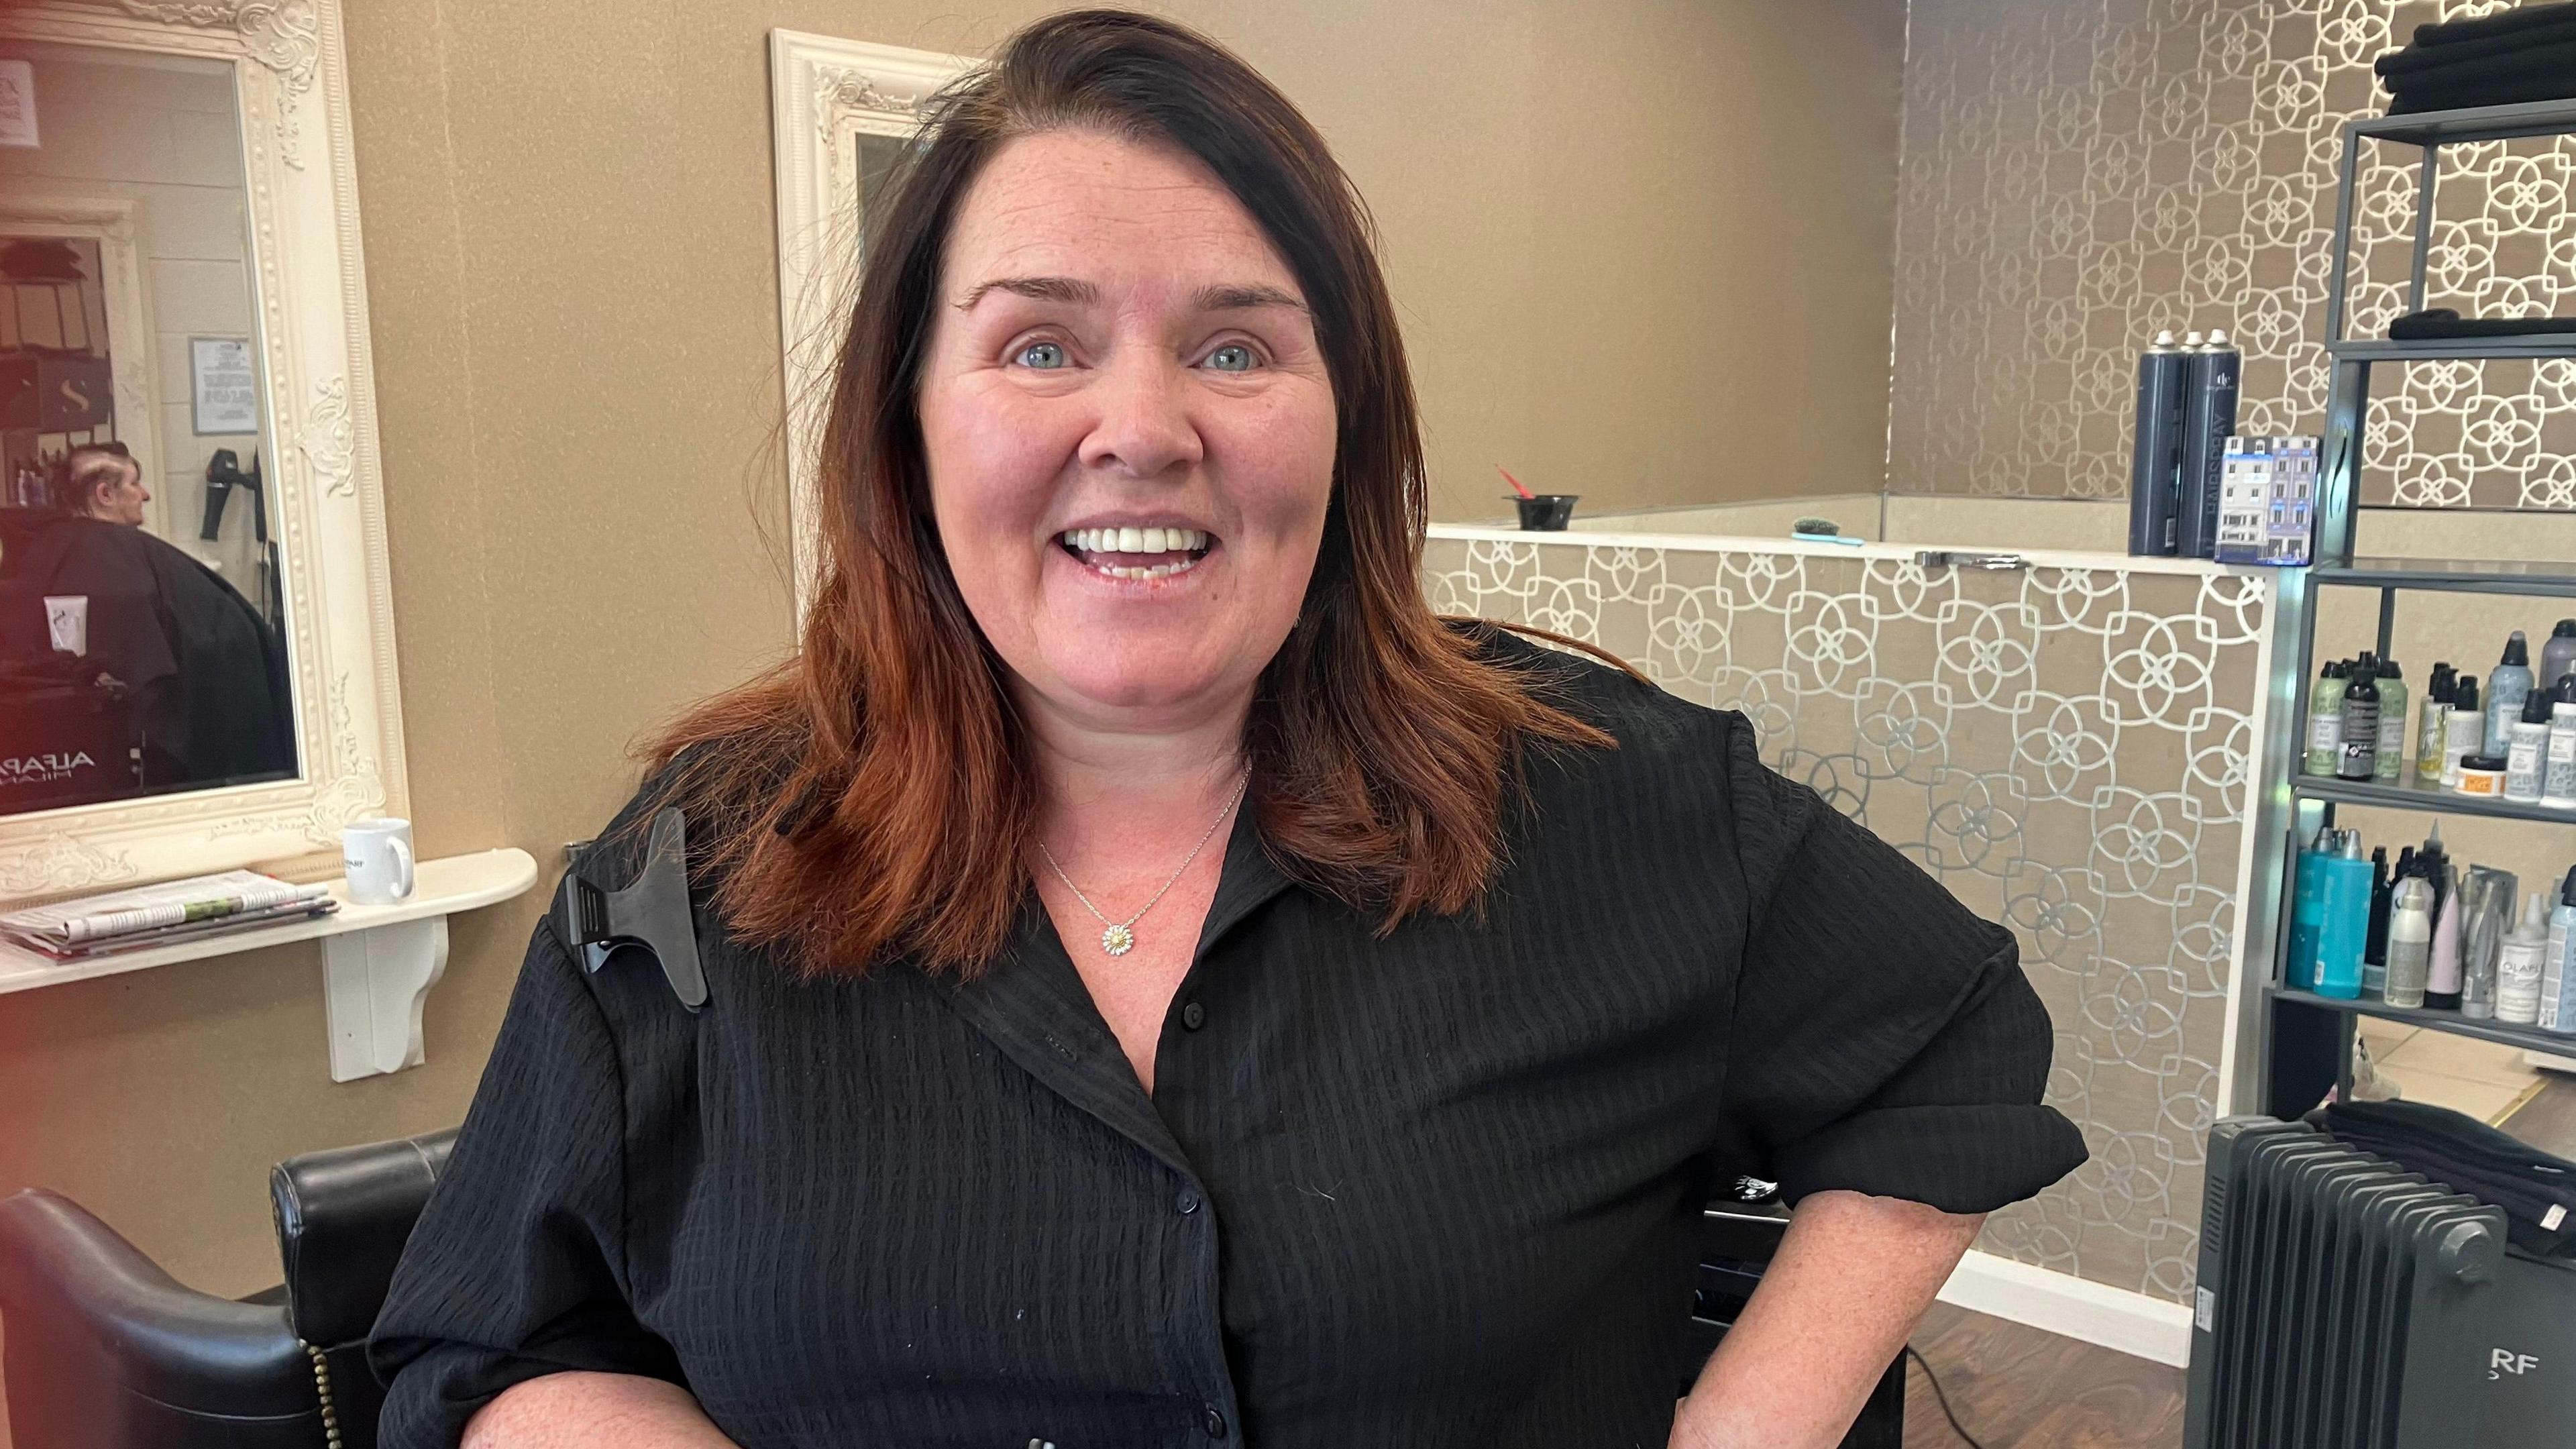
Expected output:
(516, 1267)
(1884, 1040)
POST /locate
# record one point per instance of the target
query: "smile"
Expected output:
(1137, 553)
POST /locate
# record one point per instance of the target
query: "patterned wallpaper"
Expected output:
(2065, 749)
(2080, 173)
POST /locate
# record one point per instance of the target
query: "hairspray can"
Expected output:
(2155, 466)
(2487, 898)
(2208, 418)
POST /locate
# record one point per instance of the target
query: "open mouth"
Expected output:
(1137, 553)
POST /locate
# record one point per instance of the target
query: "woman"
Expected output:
(1166, 988)
(207, 675)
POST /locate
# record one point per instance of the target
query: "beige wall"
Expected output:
(1641, 251)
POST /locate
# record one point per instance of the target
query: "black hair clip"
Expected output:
(652, 912)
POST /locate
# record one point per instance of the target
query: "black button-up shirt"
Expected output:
(1431, 1189)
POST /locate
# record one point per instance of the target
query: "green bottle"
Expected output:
(2391, 765)
(2325, 720)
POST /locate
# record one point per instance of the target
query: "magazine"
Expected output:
(153, 914)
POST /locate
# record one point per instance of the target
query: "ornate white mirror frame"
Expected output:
(824, 94)
(292, 81)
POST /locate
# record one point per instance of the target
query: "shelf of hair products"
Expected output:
(2513, 741)
(2428, 933)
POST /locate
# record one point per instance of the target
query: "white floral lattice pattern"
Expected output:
(2079, 175)
(2067, 750)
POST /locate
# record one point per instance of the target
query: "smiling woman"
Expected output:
(1018, 1110)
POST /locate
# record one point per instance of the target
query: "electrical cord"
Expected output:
(1941, 1398)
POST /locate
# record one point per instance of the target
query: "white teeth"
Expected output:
(1135, 540)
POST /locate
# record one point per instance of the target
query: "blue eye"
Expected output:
(1042, 355)
(1232, 357)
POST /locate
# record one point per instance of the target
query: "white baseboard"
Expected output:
(2062, 1303)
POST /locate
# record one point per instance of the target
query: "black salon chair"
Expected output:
(1736, 1241)
(106, 1351)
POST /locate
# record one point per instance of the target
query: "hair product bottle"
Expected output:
(2410, 941)
(2487, 897)
(2359, 759)
(2467, 731)
(2558, 653)
(2389, 762)
(2307, 913)
(2558, 971)
(2507, 684)
(2208, 418)
(2435, 729)
(2520, 965)
(2345, 925)
(2442, 979)
(2325, 720)
(2527, 750)
(2155, 470)
(2558, 768)
(2374, 946)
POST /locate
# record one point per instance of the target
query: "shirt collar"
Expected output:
(1031, 1002)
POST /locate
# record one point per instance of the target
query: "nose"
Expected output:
(1144, 428)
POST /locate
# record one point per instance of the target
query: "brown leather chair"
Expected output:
(106, 1351)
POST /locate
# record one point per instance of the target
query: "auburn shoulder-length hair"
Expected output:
(873, 796)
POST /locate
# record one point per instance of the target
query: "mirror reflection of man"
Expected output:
(207, 674)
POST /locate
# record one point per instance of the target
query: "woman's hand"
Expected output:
(594, 1411)
(1852, 1276)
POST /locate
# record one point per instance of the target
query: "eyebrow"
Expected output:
(1222, 298)
(1242, 298)
(1042, 289)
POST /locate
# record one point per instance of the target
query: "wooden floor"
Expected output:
(2019, 1388)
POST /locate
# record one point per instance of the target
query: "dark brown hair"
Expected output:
(873, 795)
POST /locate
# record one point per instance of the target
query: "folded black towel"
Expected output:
(2506, 22)
(2536, 1189)
(2511, 90)
(2398, 65)
(2551, 55)
(2435, 323)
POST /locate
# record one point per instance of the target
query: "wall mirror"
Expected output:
(841, 112)
(196, 654)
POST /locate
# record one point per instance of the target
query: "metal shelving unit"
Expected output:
(2297, 805)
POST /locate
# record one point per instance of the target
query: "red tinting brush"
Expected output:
(1515, 482)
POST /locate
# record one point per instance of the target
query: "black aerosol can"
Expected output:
(2208, 420)
(2155, 467)
(2359, 757)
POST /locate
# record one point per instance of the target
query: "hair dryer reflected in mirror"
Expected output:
(223, 475)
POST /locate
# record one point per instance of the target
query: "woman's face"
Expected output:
(1129, 429)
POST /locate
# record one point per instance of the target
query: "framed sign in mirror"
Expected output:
(841, 112)
(196, 633)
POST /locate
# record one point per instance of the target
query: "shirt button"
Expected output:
(1187, 1202)
(1193, 1016)
(1215, 1423)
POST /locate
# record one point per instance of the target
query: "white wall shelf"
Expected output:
(378, 961)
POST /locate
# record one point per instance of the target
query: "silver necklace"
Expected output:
(1119, 937)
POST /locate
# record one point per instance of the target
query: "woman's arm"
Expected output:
(1852, 1275)
(593, 1411)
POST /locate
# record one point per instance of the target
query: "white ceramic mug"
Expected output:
(377, 856)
